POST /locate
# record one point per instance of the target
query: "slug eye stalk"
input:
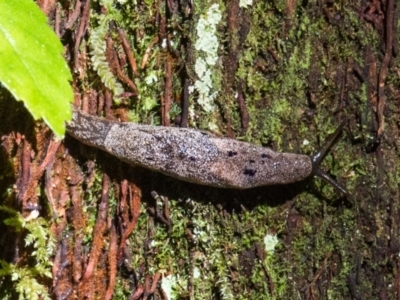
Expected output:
(319, 156)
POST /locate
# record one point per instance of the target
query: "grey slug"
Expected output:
(196, 156)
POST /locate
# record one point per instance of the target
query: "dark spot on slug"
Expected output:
(210, 177)
(192, 158)
(249, 172)
(232, 153)
(149, 158)
(265, 155)
(167, 148)
(252, 161)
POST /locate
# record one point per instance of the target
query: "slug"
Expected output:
(196, 156)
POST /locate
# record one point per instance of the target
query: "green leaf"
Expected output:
(31, 65)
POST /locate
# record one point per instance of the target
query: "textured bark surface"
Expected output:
(286, 73)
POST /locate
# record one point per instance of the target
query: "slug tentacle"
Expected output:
(319, 156)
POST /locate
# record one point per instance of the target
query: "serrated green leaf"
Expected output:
(31, 65)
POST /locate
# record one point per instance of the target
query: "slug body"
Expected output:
(192, 155)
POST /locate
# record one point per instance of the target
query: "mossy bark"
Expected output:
(287, 74)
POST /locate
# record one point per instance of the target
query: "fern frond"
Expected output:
(98, 55)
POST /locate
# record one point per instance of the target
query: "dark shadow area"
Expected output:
(16, 124)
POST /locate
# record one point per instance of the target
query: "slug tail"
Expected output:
(319, 156)
(88, 129)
